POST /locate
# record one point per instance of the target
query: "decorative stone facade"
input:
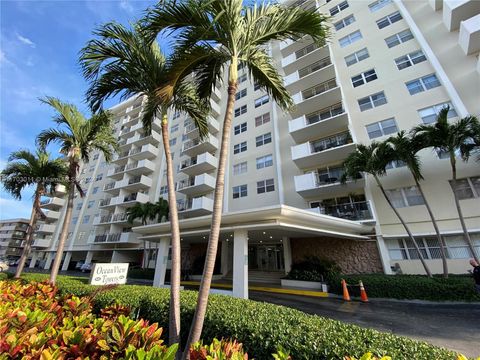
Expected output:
(352, 256)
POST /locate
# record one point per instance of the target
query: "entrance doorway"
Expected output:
(266, 257)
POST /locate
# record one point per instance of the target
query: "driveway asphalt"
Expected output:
(453, 326)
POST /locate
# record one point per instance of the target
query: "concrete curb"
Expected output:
(408, 301)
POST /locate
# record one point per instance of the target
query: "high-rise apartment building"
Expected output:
(12, 235)
(388, 66)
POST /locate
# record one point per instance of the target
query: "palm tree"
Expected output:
(373, 159)
(77, 138)
(162, 209)
(144, 212)
(124, 62)
(26, 169)
(405, 149)
(222, 34)
(458, 137)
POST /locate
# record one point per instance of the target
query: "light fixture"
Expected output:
(264, 233)
(281, 240)
(261, 241)
(231, 235)
(271, 237)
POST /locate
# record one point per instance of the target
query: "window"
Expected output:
(176, 115)
(242, 78)
(372, 101)
(377, 5)
(389, 19)
(95, 157)
(357, 57)
(381, 128)
(90, 204)
(238, 148)
(467, 188)
(91, 168)
(429, 115)
(184, 137)
(344, 22)
(74, 220)
(173, 142)
(95, 190)
(263, 139)
(350, 38)
(265, 186)
(422, 84)
(261, 100)
(240, 168)
(240, 65)
(174, 128)
(86, 219)
(264, 161)
(88, 180)
(81, 236)
(239, 191)
(99, 177)
(364, 77)
(163, 190)
(398, 38)
(79, 206)
(336, 9)
(262, 119)
(407, 196)
(241, 110)
(238, 129)
(410, 59)
(240, 94)
(256, 86)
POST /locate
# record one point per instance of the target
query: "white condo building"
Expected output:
(388, 66)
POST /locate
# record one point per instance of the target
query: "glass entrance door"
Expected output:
(266, 257)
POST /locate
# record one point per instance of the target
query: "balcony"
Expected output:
(41, 243)
(199, 164)
(110, 187)
(109, 202)
(323, 151)
(134, 109)
(197, 146)
(111, 218)
(53, 203)
(116, 172)
(355, 211)
(60, 190)
(216, 94)
(326, 182)
(147, 151)
(138, 182)
(215, 108)
(45, 229)
(290, 46)
(52, 215)
(330, 120)
(200, 184)
(311, 75)
(141, 139)
(134, 197)
(121, 158)
(303, 57)
(317, 97)
(116, 238)
(456, 11)
(195, 207)
(192, 131)
(140, 167)
(469, 37)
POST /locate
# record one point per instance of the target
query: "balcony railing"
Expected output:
(189, 162)
(305, 50)
(319, 89)
(320, 64)
(105, 202)
(107, 238)
(185, 183)
(355, 211)
(331, 142)
(119, 169)
(131, 197)
(109, 186)
(325, 114)
(135, 180)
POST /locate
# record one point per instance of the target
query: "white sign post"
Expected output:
(109, 273)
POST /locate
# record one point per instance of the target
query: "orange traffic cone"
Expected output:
(363, 293)
(346, 295)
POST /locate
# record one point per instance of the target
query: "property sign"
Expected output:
(109, 273)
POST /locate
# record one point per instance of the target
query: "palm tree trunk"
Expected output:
(30, 231)
(466, 235)
(202, 300)
(410, 235)
(174, 317)
(441, 241)
(66, 223)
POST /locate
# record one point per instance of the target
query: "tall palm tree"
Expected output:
(405, 149)
(32, 169)
(123, 61)
(77, 137)
(144, 212)
(457, 137)
(162, 209)
(373, 160)
(217, 35)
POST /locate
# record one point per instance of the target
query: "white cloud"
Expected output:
(125, 5)
(25, 40)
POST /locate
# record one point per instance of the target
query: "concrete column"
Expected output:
(384, 256)
(33, 261)
(48, 262)
(240, 264)
(287, 254)
(161, 263)
(89, 257)
(66, 260)
(224, 258)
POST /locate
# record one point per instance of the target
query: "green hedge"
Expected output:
(261, 327)
(455, 288)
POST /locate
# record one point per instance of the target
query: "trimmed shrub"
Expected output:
(455, 288)
(262, 327)
(313, 268)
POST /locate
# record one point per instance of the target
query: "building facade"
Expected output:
(388, 66)
(13, 232)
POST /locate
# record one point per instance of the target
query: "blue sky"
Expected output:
(39, 44)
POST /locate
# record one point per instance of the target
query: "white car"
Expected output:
(86, 267)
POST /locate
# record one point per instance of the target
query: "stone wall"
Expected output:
(353, 256)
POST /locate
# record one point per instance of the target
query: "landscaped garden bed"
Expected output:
(261, 327)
